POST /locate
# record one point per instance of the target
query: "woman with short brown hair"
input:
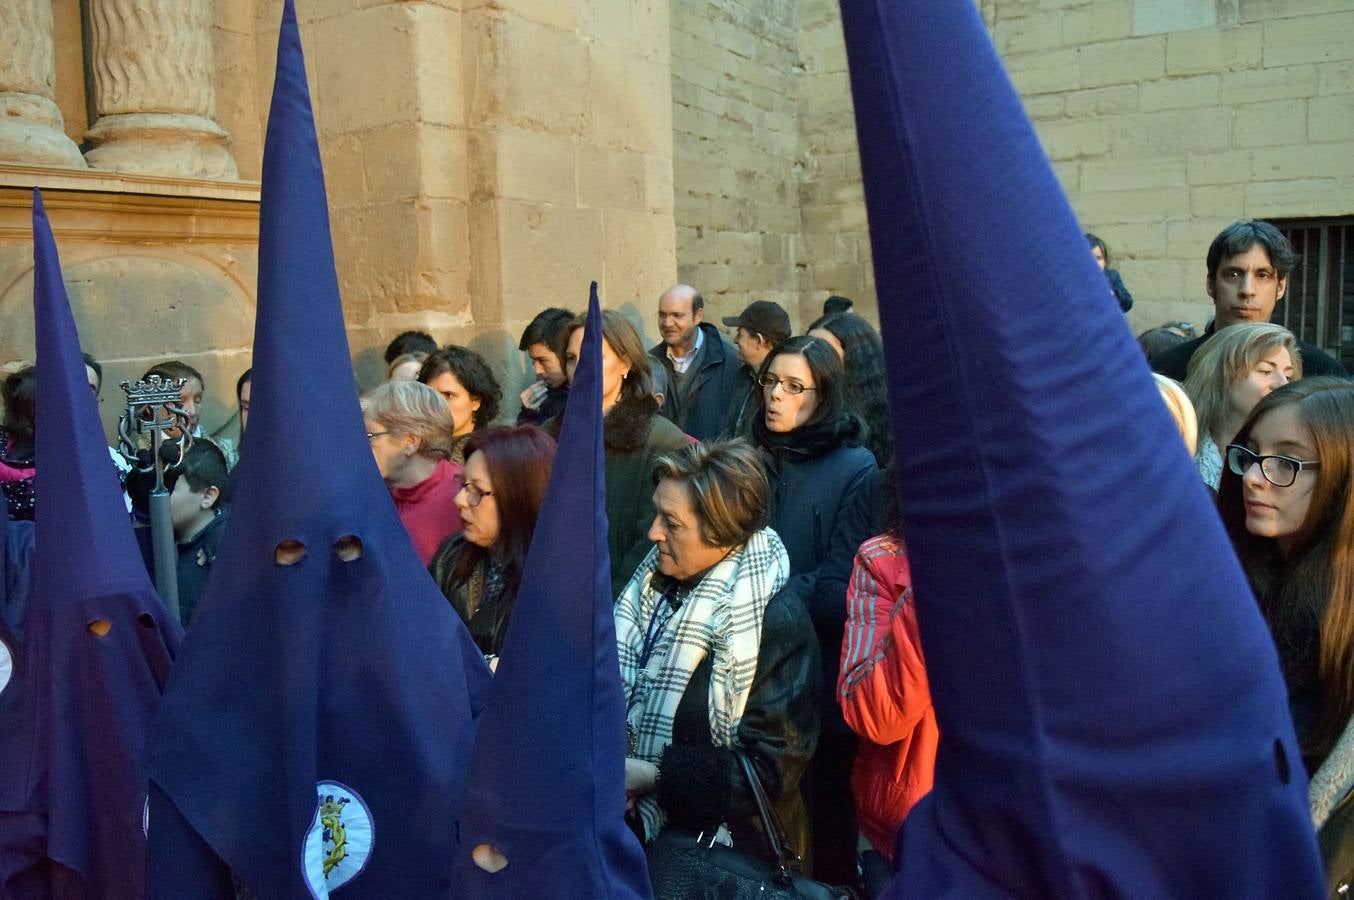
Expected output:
(715, 660)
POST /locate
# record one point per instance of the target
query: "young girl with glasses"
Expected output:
(1287, 502)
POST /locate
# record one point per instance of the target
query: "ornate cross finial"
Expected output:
(153, 407)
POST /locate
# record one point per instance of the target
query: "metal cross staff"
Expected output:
(153, 406)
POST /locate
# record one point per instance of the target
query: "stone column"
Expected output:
(153, 72)
(30, 122)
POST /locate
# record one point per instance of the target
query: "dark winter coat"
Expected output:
(816, 512)
(487, 590)
(552, 405)
(1117, 288)
(635, 436)
(745, 405)
(1174, 362)
(697, 407)
(195, 565)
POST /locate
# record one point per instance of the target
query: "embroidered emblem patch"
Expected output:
(6, 665)
(339, 841)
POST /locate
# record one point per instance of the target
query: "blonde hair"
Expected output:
(1226, 358)
(1178, 405)
(411, 407)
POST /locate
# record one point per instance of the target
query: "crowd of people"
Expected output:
(763, 597)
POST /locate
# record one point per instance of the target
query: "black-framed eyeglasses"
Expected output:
(1280, 471)
(474, 494)
(790, 387)
(373, 435)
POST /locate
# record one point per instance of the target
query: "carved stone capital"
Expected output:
(30, 122)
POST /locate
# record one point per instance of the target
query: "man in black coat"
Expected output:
(701, 367)
(1248, 266)
(758, 330)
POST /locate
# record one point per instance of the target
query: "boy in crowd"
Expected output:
(199, 517)
(543, 342)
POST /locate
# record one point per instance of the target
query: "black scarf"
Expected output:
(808, 441)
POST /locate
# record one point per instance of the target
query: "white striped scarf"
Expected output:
(721, 617)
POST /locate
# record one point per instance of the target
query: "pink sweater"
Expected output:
(428, 509)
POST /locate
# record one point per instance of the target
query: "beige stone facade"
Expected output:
(1168, 119)
(487, 158)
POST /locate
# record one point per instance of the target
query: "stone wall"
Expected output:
(1166, 121)
(156, 269)
(484, 158)
(768, 193)
(736, 151)
(835, 241)
(499, 157)
(487, 158)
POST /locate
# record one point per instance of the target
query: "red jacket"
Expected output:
(884, 693)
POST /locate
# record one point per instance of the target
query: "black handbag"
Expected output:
(688, 866)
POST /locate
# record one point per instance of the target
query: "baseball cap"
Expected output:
(765, 317)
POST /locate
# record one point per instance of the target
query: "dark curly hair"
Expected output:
(866, 378)
(20, 394)
(474, 375)
(408, 342)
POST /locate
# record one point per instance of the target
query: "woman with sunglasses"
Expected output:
(810, 437)
(507, 470)
(1287, 502)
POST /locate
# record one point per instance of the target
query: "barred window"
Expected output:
(1319, 304)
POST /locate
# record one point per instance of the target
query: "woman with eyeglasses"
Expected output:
(810, 438)
(1287, 499)
(634, 434)
(1229, 374)
(507, 470)
(409, 428)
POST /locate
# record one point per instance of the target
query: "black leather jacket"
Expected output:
(701, 785)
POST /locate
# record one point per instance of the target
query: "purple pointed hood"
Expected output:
(97, 642)
(1112, 716)
(317, 728)
(547, 779)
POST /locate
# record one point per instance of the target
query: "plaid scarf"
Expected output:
(721, 617)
